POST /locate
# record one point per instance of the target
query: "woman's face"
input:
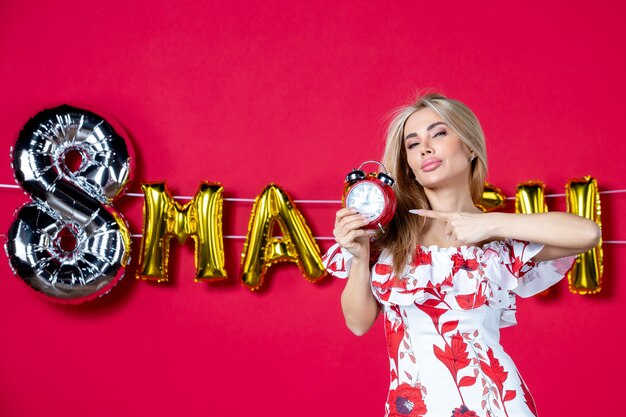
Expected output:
(434, 151)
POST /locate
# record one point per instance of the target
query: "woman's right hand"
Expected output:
(350, 235)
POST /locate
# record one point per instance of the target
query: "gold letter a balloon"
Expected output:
(261, 249)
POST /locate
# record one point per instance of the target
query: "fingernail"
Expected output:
(416, 211)
(353, 210)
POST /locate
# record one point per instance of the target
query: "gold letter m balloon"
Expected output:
(163, 218)
(261, 249)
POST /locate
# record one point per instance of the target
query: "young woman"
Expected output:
(445, 273)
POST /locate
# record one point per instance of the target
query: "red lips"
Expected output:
(430, 163)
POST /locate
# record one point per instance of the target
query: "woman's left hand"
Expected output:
(463, 227)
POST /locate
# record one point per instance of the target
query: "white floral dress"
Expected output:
(443, 316)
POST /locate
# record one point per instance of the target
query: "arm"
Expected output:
(360, 308)
(563, 234)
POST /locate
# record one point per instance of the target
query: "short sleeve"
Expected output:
(337, 261)
(532, 277)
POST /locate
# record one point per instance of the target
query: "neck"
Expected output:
(451, 199)
(447, 199)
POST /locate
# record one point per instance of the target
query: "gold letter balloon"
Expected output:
(492, 199)
(164, 218)
(530, 198)
(583, 199)
(261, 249)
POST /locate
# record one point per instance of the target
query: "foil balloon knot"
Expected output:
(70, 161)
(67, 243)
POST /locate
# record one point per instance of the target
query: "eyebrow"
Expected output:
(411, 135)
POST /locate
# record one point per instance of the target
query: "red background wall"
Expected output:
(250, 93)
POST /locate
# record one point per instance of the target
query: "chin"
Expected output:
(431, 182)
(440, 183)
(441, 179)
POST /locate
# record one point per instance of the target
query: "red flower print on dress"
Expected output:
(421, 257)
(395, 333)
(394, 282)
(494, 370)
(447, 282)
(459, 262)
(454, 355)
(333, 266)
(470, 301)
(383, 269)
(406, 401)
(463, 411)
(516, 263)
(498, 375)
(433, 312)
(383, 295)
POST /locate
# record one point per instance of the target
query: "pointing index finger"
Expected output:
(433, 214)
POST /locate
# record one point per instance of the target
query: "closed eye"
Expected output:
(412, 145)
(442, 133)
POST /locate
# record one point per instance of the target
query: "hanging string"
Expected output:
(240, 237)
(189, 197)
(252, 200)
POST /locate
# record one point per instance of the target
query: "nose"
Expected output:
(426, 148)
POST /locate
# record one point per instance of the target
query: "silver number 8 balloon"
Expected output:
(70, 244)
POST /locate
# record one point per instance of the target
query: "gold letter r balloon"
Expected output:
(261, 249)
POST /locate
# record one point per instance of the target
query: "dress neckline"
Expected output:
(436, 248)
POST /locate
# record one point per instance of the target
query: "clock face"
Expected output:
(368, 198)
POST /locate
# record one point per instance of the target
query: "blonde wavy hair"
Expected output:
(401, 235)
